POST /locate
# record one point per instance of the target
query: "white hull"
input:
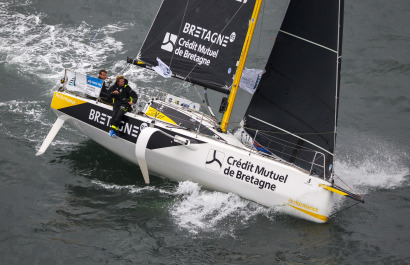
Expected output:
(285, 188)
(216, 165)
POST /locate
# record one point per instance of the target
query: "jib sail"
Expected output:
(293, 113)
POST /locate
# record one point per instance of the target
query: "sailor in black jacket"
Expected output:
(123, 98)
(102, 74)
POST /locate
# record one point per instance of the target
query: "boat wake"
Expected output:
(129, 188)
(200, 211)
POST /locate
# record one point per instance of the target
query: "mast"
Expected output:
(242, 60)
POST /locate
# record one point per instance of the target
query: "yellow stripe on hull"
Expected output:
(315, 215)
(61, 101)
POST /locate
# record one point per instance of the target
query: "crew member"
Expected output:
(102, 74)
(123, 98)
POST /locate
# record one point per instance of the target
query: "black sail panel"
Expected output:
(294, 108)
(316, 21)
(200, 41)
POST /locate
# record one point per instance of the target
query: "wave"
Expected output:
(129, 188)
(369, 163)
(202, 211)
(31, 114)
(35, 47)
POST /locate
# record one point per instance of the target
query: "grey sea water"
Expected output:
(81, 204)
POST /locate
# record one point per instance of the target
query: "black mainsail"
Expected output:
(201, 41)
(293, 113)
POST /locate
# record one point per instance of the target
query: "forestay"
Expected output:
(201, 41)
(295, 106)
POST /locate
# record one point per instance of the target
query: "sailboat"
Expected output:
(282, 156)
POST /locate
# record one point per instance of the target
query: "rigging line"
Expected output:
(285, 143)
(126, 67)
(319, 133)
(89, 45)
(208, 106)
(321, 148)
(343, 209)
(273, 132)
(289, 145)
(226, 25)
(356, 193)
(260, 32)
(179, 33)
(95, 36)
(202, 100)
(280, 141)
(387, 130)
(311, 42)
(338, 62)
(277, 151)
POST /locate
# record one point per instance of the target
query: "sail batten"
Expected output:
(324, 47)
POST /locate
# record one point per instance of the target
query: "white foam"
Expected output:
(129, 188)
(373, 164)
(205, 211)
(32, 114)
(46, 50)
(369, 163)
(199, 210)
(36, 48)
(30, 109)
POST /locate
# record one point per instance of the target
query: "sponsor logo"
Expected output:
(258, 175)
(192, 45)
(206, 34)
(302, 205)
(214, 160)
(232, 37)
(169, 42)
(71, 82)
(104, 119)
(94, 81)
(143, 126)
(69, 100)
